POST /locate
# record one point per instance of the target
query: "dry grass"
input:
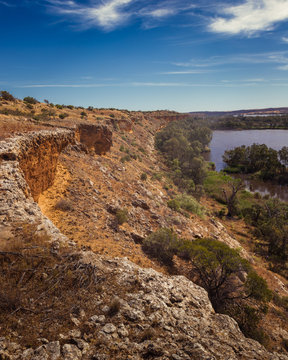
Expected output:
(41, 289)
(9, 128)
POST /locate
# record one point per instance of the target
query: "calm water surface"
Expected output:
(228, 139)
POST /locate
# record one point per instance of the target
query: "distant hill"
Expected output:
(253, 112)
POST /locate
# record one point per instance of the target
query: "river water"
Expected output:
(228, 139)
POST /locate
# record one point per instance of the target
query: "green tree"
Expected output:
(230, 191)
(217, 266)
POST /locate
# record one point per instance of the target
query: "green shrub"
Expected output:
(186, 202)
(257, 287)
(83, 114)
(63, 116)
(281, 301)
(174, 204)
(162, 245)
(125, 158)
(248, 319)
(157, 176)
(143, 177)
(30, 100)
(5, 95)
(121, 216)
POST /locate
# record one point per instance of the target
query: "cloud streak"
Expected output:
(107, 15)
(280, 59)
(110, 14)
(250, 17)
(6, 4)
(138, 84)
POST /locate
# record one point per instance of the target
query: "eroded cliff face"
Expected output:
(27, 167)
(37, 155)
(97, 138)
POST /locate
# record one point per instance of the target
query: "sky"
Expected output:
(182, 55)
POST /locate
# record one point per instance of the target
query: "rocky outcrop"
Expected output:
(97, 138)
(37, 155)
(157, 317)
(122, 124)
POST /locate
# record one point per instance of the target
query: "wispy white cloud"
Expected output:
(110, 14)
(284, 67)
(6, 4)
(160, 13)
(107, 15)
(185, 72)
(66, 85)
(279, 59)
(139, 84)
(285, 39)
(250, 17)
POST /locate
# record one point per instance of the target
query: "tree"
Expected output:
(283, 154)
(271, 222)
(217, 267)
(230, 195)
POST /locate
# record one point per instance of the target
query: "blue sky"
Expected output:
(145, 55)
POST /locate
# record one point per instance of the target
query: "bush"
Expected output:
(257, 287)
(30, 100)
(186, 202)
(148, 334)
(125, 158)
(121, 216)
(5, 95)
(63, 116)
(281, 301)
(162, 245)
(63, 205)
(143, 177)
(248, 319)
(83, 114)
(114, 307)
(156, 176)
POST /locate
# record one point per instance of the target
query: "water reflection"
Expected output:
(228, 139)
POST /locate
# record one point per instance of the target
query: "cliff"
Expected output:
(133, 312)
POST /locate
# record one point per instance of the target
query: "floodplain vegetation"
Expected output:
(249, 122)
(215, 266)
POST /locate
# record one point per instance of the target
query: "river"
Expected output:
(228, 139)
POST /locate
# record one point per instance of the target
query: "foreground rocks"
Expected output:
(156, 317)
